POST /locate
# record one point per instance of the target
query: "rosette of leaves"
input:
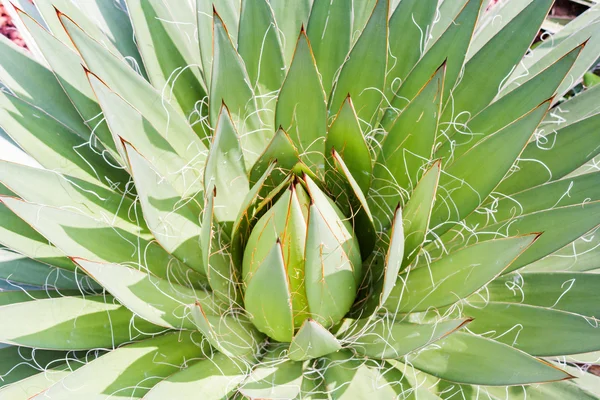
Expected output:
(325, 199)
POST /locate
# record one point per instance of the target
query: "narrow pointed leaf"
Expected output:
(346, 137)
(166, 50)
(507, 109)
(383, 339)
(66, 65)
(368, 54)
(566, 291)
(568, 149)
(177, 155)
(312, 341)
(417, 213)
(330, 34)
(411, 21)
(172, 219)
(406, 149)
(488, 68)
(218, 264)
(32, 82)
(282, 153)
(80, 236)
(536, 330)
(216, 378)
(17, 363)
(159, 301)
(230, 85)
(301, 106)
(464, 188)
(260, 48)
(233, 335)
(455, 276)
(452, 359)
(290, 17)
(268, 297)
(118, 373)
(72, 323)
(349, 378)
(561, 226)
(394, 256)
(451, 48)
(331, 282)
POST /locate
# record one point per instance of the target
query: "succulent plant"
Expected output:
(273, 199)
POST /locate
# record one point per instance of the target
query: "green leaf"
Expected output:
(114, 31)
(66, 65)
(229, 85)
(51, 188)
(80, 236)
(583, 30)
(225, 169)
(18, 235)
(453, 358)
(170, 57)
(301, 106)
(72, 323)
(331, 273)
(386, 339)
(409, 24)
(172, 219)
(217, 261)
(560, 226)
(575, 109)
(312, 341)
(566, 291)
(241, 227)
(349, 378)
(33, 83)
(52, 144)
(280, 152)
(579, 255)
(346, 137)
(417, 213)
(455, 276)
(451, 48)
(216, 378)
(290, 17)
(330, 34)
(233, 335)
(465, 188)
(351, 200)
(130, 371)
(555, 390)
(268, 298)
(565, 192)
(160, 301)
(16, 294)
(23, 270)
(133, 89)
(405, 150)
(394, 256)
(490, 66)
(26, 388)
(536, 330)
(507, 109)
(229, 11)
(368, 54)
(260, 48)
(17, 363)
(274, 378)
(554, 156)
(176, 154)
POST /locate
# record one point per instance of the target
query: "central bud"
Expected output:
(301, 262)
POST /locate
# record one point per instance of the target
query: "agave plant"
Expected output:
(272, 199)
